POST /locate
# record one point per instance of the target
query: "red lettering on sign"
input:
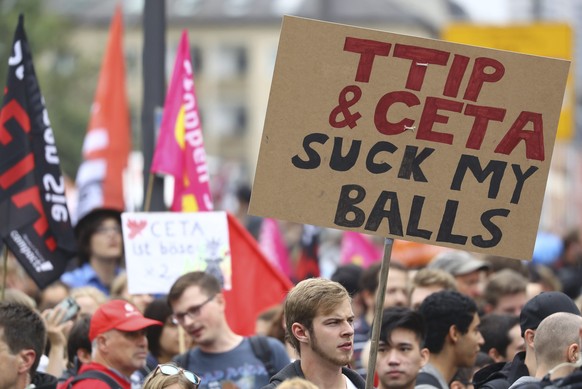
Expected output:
(367, 49)
(534, 140)
(420, 58)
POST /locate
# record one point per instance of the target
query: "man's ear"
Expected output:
(102, 341)
(219, 298)
(454, 333)
(26, 358)
(495, 355)
(456, 384)
(424, 356)
(528, 336)
(83, 355)
(573, 352)
(300, 332)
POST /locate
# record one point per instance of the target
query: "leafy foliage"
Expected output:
(66, 80)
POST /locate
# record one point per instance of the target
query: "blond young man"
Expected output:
(319, 321)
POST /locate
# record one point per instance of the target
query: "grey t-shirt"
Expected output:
(238, 366)
(430, 369)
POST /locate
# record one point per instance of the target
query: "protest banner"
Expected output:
(161, 246)
(36, 223)
(408, 138)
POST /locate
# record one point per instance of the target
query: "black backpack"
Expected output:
(96, 375)
(424, 378)
(261, 349)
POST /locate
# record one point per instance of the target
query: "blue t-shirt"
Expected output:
(238, 366)
(85, 276)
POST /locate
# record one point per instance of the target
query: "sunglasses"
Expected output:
(168, 369)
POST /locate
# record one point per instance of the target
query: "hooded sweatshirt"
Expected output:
(294, 370)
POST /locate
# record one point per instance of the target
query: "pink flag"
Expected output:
(273, 246)
(180, 148)
(357, 248)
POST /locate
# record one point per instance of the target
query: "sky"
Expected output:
(488, 11)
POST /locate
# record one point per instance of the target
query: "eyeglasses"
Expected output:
(192, 312)
(167, 369)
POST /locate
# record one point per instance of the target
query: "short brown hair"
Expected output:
(434, 277)
(309, 298)
(505, 282)
(206, 282)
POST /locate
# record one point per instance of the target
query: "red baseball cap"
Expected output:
(118, 315)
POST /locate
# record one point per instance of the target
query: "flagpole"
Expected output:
(5, 275)
(380, 294)
(149, 190)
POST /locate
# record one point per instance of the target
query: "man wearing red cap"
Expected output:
(120, 347)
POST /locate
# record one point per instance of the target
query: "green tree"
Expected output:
(66, 80)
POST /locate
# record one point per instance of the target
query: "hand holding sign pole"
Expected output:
(408, 138)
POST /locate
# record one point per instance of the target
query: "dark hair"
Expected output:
(23, 329)
(444, 309)
(86, 228)
(206, 282)
(349, 276)
(79, 339)
(400, 317)
(495, 330)
(161, 311)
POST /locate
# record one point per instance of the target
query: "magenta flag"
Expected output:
(358, 249)
(180, 148)
(273, 245)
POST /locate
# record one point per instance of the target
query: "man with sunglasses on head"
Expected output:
(221, 357)
(119, 347)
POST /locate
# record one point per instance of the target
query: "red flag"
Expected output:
(357, 248)
(256, 283)
(107, 143)
(36, 224)
(180, 149)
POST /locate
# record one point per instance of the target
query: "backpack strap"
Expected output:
(95, 375)
(263, 352)
(423, 378)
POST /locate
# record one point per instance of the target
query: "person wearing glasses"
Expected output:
(119, 347)
(221, 357)
(100, 253)
(168, 376)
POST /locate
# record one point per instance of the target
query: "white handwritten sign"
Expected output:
(161, 246)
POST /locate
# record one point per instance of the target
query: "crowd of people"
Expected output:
(462, 321)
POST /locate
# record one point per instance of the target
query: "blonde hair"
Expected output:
(297, 383)
(309, 298)
(19, 297)
(89, 291)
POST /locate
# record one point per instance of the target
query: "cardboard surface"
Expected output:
(409, 138)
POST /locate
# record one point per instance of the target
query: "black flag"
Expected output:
(34, 219)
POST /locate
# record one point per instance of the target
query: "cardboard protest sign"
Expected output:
(161, 246)
(409, 138)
